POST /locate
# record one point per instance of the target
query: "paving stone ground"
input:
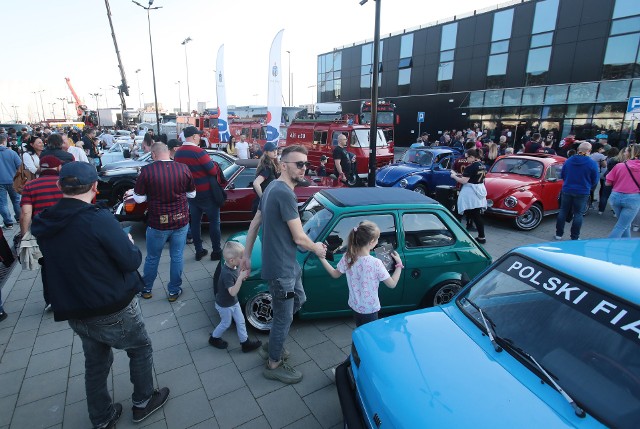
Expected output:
(42, 364)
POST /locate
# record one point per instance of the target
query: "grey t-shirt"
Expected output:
(228, 277)
(278, 205)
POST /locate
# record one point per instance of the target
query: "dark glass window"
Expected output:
(445, 71)
(499, 47)
(510, 112)
(545, 16)
(444, 86)
(532, 96)
(626, 8)
(446, 56)
(628, 25)
(502, 22)
(425, 230)
(556, 94)
(539, 60)
(543, 39)
(493, 98)
(553, 111)
(497, 65)
(617, 90)
(635, 88)
(367, 54)
(530, 112)
(404, 77)
(622, 49)
(337, 60)
(579, 111)
(583, 93)
(494, 82)
(476, 99)
(404, 63)
(406, 46)
(610, 110)
(491, 113)
(449, 35)
(339, 236)
(512, 97)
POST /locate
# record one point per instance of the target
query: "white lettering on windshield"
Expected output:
(602, 306)
(634, 326)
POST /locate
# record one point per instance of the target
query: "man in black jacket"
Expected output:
(98, 295)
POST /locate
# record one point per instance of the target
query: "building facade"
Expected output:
(556, 66)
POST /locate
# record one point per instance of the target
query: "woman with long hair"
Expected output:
(268, 170)
(231, 146)
(31, 156)
(473, 195)
(490, 154)
(625, 193)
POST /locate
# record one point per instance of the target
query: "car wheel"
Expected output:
(420, 189)
(118, 193)
(259, 311)
(353, 181)
(442, 293)
(530, 219)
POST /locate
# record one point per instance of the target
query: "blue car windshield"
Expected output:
(418, 156)
(588, 341)
(314, 217)
(520, 166)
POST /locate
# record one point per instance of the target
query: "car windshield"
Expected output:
(384, 118)
(314, 217)
(362, 139)
(586, 340)
(418, 156)
(520, 166)
(230, 170)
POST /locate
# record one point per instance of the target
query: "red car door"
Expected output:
(551, 187)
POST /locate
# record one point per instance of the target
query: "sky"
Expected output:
(49, 40)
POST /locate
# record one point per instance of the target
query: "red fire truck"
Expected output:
(208, 124)
(387, 117)
(321, 137)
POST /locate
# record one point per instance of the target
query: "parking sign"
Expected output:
(634, 105)
(421, 115)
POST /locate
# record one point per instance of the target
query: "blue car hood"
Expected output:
(390, 174)
(422, 370)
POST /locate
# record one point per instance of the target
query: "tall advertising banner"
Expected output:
(274, 99)
(223, 117)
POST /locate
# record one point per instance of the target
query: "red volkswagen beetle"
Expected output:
(240, 194)
(524, 188)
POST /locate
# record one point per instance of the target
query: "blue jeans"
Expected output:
(156, 239)
(197, 206)
(4, 207)
(283, 310)
(123, 330)
(626, 207)
(575, 203)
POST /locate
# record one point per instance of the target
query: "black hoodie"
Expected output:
(89, 262)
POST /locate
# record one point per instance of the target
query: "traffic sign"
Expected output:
(633, 106)
(421, 115)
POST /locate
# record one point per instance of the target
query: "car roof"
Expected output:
(353, 197)
(543, 157)
(249, 163)
(609, 264)
(436, 149)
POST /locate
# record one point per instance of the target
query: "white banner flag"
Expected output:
(274, 99)
(223, 118)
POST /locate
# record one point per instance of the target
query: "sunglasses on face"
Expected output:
(299, 164)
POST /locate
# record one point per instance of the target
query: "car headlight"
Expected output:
(404, 183)
(510, 201)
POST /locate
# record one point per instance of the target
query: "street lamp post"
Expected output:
(64, 110)
(15, 112)
(179, 96)
(96, 95)
(373, 130)
(35, 95)
(53, 109)
(312, 86)
(41, 104)
(289, 91)
(153, 69)
(138, 79)
(184, 43)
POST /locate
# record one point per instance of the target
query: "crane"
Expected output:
(123, 88)
(85, 115)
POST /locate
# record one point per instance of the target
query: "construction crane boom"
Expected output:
(123, 88)
(80, 106)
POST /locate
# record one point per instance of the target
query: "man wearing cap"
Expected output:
(37, 195)
(98, 296)
(204, 170)
(165, 185)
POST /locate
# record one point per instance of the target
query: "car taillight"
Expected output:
(129, 207)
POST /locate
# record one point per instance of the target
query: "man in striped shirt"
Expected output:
(37, 195)
(204, 170)
(165, 185)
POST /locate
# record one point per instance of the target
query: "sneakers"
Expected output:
(283, 373)
(558, 237)
(250, 345)
(172, 296)
(481, 240)
(47, 307)
(112, 423)
(146, 294)
(157, 400)
(215, 256)
(3, 316)
(8, 226)
(201, 254)
(218, 343)
(263, 352)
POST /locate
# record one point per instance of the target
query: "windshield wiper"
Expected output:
(576, 408)
(487, 324)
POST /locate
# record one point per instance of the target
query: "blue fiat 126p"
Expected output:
(547, 337)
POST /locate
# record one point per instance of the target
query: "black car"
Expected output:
(118, 177)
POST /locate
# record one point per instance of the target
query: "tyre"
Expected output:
(118, 192)
(259, 311)
(530, 219)
(353, 181)
(442, 293)
(420, 189)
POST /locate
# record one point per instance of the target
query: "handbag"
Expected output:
(631, 174)
(23, 175)
(217, 191)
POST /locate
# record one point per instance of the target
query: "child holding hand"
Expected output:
(364, 272)
(226, 291)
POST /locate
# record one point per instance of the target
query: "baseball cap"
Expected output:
(190, 131)
(50, 161)
(323, 158)
(83, 173)
(270, 146)
(174, 143)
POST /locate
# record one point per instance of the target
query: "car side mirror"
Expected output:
(552, 179)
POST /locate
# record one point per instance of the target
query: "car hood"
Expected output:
(424, 369)
(497, 184)
(127, 163)
(390, 174)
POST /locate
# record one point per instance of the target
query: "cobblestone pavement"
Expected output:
(42, 364)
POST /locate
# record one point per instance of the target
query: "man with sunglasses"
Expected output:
(281, 234)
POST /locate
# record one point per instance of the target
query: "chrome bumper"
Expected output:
(502, 212)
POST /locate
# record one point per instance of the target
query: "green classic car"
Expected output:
(436, 251)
